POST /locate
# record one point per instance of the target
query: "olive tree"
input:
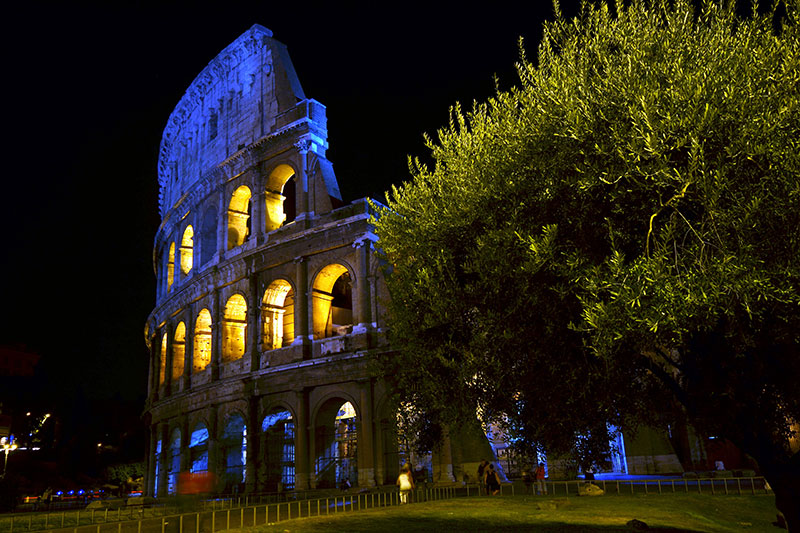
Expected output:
(616, 239)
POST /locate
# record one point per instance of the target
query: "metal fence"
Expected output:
(218, 515)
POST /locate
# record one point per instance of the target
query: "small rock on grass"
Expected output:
(637, 525)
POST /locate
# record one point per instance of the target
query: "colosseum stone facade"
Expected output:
(268, 307)
(267, 310)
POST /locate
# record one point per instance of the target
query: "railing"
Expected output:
(217, 515)
(712, 486)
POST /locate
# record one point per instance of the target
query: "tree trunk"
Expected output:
(785, 483)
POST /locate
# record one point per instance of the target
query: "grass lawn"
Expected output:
(668, 512)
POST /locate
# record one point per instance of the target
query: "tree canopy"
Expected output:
(613, 240)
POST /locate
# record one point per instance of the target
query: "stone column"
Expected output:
(168, 331)
(363, 303)
(216, 335)
(252, 457)
(254, 330)
(301, 307)
(302, 454)
(149, 477)
(257, 221)
(379, 446)
(301, 189)
(222, 223)
(186, 438)
(214, 453)
(188, 358)
(163, 432)
(443, 467)
(152, 392)
(366, 459)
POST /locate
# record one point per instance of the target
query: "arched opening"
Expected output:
(178, 350)
(234, 328)
(157, 468)
(208, 235)
(278, 467)
(202, 341)
(234, 452)
(162, 367)
(198, 449)
(174, 466)
(187, 250)
(332, 302)
(239, 217)
(171, 266)
(279, 196)
(336, 445)
(277, 315)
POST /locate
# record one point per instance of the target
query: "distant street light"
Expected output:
(8, 446)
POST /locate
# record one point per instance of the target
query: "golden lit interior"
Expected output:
(234, 328)
(276, 214)
(162, 370)
(187, 250)
(178, 351)
(171, 266)
(202, 341)
(277, 315)
(238, 217)
(332, 302)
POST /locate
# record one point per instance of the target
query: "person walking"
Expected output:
(482, 476)
(527, 479)
(541, 487)
(406, 483)
(492, 480)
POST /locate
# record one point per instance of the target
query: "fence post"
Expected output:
(163, 524)
(213, 520)
(197, 524)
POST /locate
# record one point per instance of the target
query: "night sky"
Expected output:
(88, 90)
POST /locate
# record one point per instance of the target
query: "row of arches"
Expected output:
(331, 313)
(274, 465)
(279, 208)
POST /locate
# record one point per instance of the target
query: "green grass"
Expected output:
(669, 512)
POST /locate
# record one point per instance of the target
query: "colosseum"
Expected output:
(268, 303)
(268, 293)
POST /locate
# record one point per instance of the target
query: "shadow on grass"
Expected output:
(413, 524)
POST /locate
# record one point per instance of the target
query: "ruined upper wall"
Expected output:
(249, 91)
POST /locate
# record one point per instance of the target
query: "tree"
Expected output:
(615, 239)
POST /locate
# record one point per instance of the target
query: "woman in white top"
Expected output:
(406, 483)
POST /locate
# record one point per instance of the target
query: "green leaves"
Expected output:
(637, 193)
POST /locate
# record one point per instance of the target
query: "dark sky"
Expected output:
(88, 89)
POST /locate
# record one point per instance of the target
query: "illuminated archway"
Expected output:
(198, 449)
(178, 351)
(171, 266)
(332, 302)
(234, 328)
(239, 217)
(278, 469)
(280, 197)
(157, 467)
(336, 444)
(202, 341)
(174, 465)
(162, 367)
(234, 451)
(277, 315)
(187, 250)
